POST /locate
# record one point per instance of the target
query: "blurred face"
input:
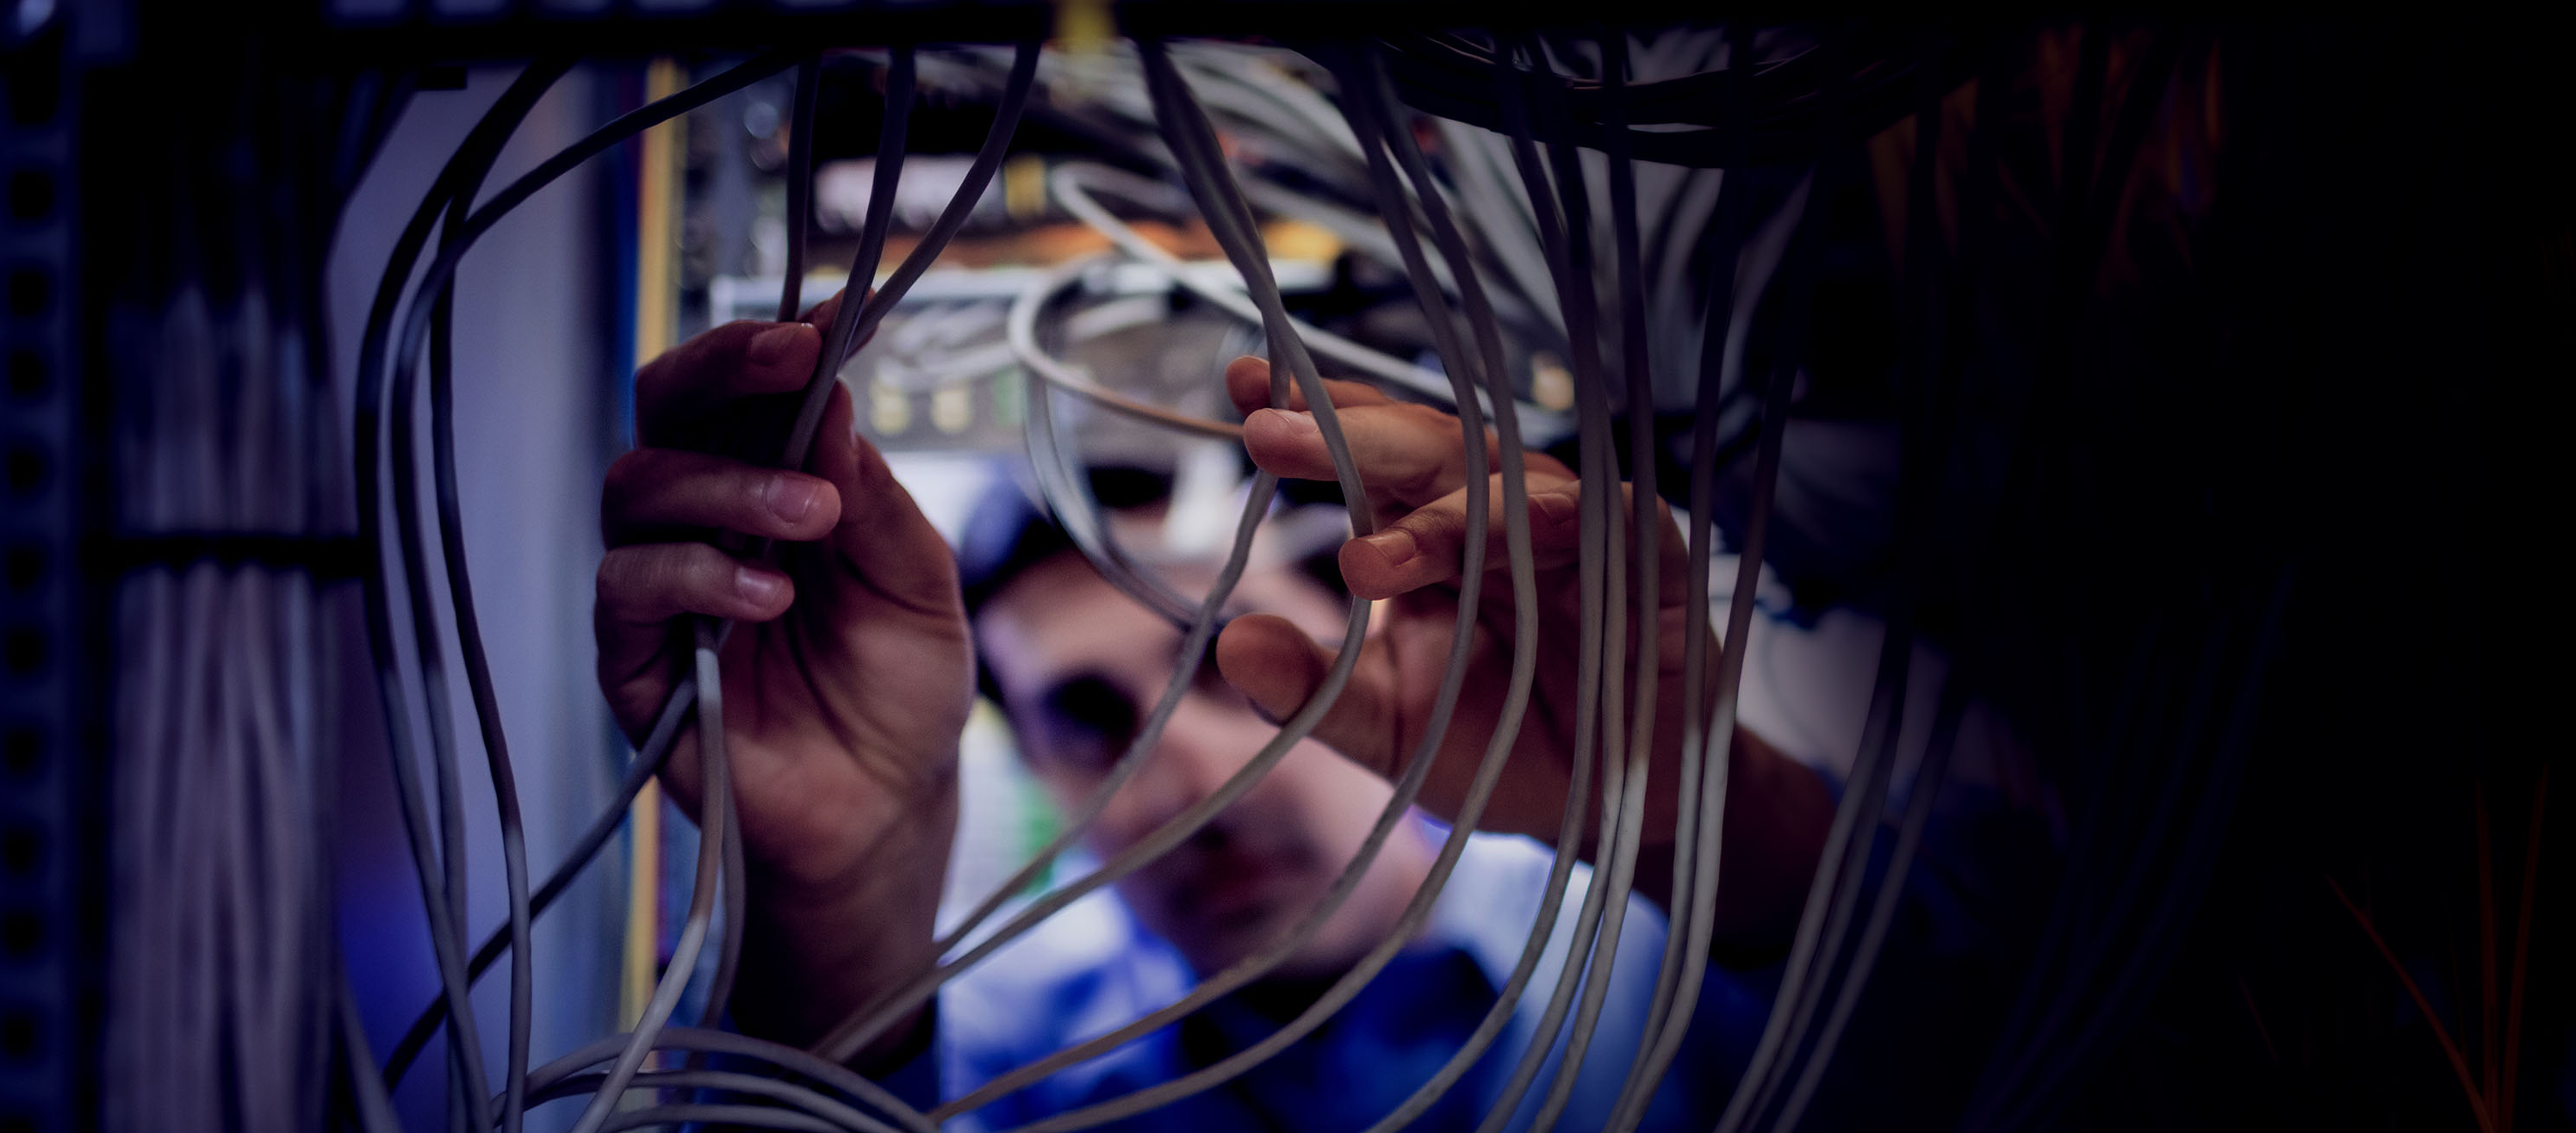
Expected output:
(1080, 666)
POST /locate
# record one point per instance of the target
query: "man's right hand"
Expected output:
(847, 680)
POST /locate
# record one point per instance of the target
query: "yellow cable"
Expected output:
(656, 303)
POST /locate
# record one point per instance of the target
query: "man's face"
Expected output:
(1080, 666)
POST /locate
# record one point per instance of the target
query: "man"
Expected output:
(849, 682)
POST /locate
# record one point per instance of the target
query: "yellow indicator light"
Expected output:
(889, 411)
(1084, 26)
(1551, 384)
(952, 409)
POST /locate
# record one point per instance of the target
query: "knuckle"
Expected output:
(688, 568)
(628, 473)
(616, 578)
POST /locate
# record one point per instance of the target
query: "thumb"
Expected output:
(1279, 668)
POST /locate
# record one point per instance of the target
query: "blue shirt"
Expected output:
(1092, 968)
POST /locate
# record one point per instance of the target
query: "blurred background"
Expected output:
(2309, 408)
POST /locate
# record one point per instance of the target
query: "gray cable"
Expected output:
(1209, 178)
(375, 1109)
(1861, 795)
(439, 709)
(1926, 445)
(649, 758)
(800, 184)
(1707, 749)
(1067, 492)
(1225, 216)
(1024, 348)
(806, 1102)
(1882, 914)
(450, 531)
(1202, 630)
(1648, 528)
(1372, 96)
(786, 1058)
(1599, 623)
(737, 1116)
(715, 815)
(1417, 768)
(1620, 831)
(1484, 190)
(446, 937)
(707, 633)
(715, 761)
(416, 328)
(482, 220)
(1075, 182)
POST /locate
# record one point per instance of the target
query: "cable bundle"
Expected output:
(1619, 575)
(1673, 221)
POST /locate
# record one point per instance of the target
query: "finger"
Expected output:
(1428, 546)
(657, 491)
(1247, 381)
(642, 588)
(821, 314)
(648, 584)
(1407, 455)
(1274, 663)
(882, 535)
(739, 359)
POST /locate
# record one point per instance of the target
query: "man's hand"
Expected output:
(1412, 461)
(847, 679)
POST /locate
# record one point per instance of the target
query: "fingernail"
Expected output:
(756, 587)
(1396, 544)
(773, 344)
(1300, 421)
(1264, 713)
(791, 499)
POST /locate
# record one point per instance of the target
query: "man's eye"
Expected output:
(1092, 718)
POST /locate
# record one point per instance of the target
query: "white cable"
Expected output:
(1073, 184)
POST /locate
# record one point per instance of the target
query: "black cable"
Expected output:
(656, 748)
(1924, 445)
(800, 183)
(2192, 863)
(374, 1108)
(650, 756)
(416, 326)
(1794, 109)
(482, 220)
(415, 329)
(487, 710)
(2083, 221)
(723, 1083)
(480, 148)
